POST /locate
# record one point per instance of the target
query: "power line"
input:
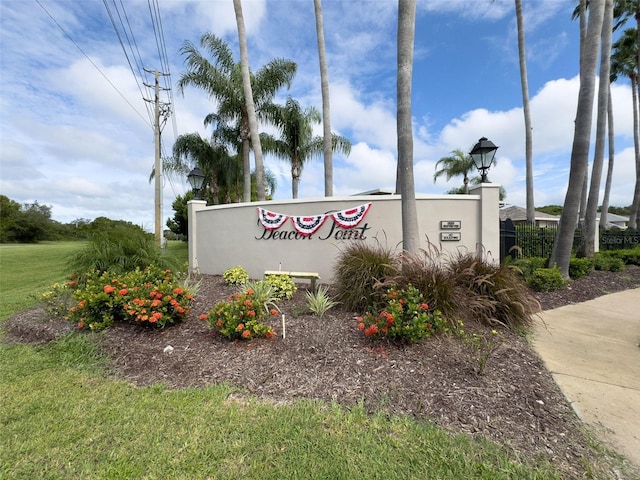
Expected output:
(92, 62)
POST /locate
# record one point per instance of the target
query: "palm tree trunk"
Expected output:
(604, 212)
(248, 93)
(326, 108)
(404, 177)
(634, 220)
(561, 253)
(587, 244)
(527, 114)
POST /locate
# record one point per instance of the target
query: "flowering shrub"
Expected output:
(405, 317)
(240, 316)
(236, 276)
(283, 286)
(149, 296)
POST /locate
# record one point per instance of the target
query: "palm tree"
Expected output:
(222, 81)
(528, 133)
(326, 109)
(248, 98)
(624, 63)
(222, 171)
(587, 243)
(455, 165)
(404, 177)
(562, 246)
(296, 142)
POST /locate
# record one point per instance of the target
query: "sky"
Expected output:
(76, 133)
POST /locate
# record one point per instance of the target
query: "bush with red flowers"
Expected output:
(405, 317)
(151, 296)
(241, 316)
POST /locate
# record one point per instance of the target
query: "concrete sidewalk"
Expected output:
(592, 349)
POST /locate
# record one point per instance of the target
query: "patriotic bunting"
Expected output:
(271, 220)
(352, 217)
(306, 225)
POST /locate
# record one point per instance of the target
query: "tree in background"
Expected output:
(455, 165)
(179, 224)
(222, 81)
(404, 177)
(25, 223)
(296, 142)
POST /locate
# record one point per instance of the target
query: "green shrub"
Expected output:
(283, 286)
(359, 268)
(151, 296)
(319, 302)
(241, 316)
(235, 276)
(494, 293)
(580, 267)
(406, 317)
(118, 247)
(547, 280)
(526, 266)
(608, 262)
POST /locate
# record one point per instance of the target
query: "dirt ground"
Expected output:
(515, 403)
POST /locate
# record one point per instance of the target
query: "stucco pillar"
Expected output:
(192, 207)
(489, 224)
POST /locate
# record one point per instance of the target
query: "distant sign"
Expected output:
(450, 224)
(450, 236)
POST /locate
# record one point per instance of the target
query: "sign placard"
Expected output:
(450, 236)
(450, 224)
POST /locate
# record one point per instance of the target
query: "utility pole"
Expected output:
(161, 112)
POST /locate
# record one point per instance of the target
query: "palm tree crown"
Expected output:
(296, 142)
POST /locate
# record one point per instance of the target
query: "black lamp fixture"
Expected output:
(196, 180)
(482, 154)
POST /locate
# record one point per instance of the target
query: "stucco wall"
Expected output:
(224, 236)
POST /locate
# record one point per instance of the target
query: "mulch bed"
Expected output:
(515, 403)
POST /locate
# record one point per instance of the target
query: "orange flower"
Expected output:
(156, 302)
(240, 327)
(177, 291)
(123, 292)
(203, 316)
(360, 326)
(274, 311)
(108, 289)
(250, 291)
(270, 334)
(424, 306)
(359, 319)
(251, 313)
(80, 325)
(246, 334)
(219, 324)
(82, 303)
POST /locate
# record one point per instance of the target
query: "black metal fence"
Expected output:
(526, 241)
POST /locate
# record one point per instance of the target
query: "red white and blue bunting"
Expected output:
(308, 224)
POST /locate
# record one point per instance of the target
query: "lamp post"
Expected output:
(482, 154)
(196, 180)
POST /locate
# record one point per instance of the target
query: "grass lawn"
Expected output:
(64, 417)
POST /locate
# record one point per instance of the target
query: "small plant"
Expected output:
(283, 286)
(547, 280)
(236, 276)
(481, 346)
(319, 302)
(406, 317)
(240, 316)
(57, 300)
